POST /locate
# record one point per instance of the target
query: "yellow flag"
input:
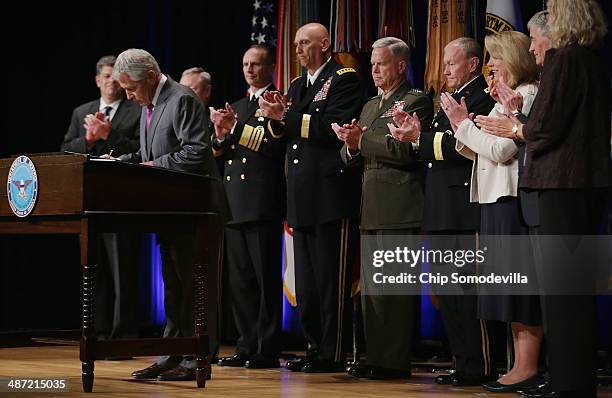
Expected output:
(446, 23)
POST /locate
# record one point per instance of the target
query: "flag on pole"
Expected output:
(289, 262)
(446, 22)
(501, 15)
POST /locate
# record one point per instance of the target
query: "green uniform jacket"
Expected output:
(393, 183)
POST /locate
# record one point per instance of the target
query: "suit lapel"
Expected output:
(119, 114)
(158, 110)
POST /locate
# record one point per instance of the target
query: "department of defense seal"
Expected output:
(22, 186)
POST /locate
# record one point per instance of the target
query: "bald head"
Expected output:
(312, 46)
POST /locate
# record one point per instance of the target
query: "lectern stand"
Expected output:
(78, 195)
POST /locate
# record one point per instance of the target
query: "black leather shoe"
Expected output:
(236, 360)
(296, 365)
(178, 374)
(544, 391)
(361, 372)
(150, 373)
(322, 366)
(466, 380)
(259, 361)
(527, 384)
(445, 380)
(378, 373)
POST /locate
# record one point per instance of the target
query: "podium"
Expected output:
(79, 195)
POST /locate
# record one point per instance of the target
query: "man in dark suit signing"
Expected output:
(173, 135)
(448, 212)
(110, 123)
(392, 201)
(322, 195)
(254, 181)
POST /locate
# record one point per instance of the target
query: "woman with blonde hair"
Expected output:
(495, 186)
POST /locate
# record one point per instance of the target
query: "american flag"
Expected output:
(263, 30)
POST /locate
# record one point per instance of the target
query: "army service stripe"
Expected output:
(305, 125)
(437, 146)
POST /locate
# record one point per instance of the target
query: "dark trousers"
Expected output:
(116, 287)
(254, 268)
(389, 321)
(467, 335)
(569, 320)
(324, 255)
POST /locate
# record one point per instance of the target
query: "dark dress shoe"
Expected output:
(296, 365)
(149, 373)
(236, 360)
(466, 380)
(378, 373)
(527, 384)
(178, 374)
(361, 372)
(258, 361)
(446, 380)
(543, 391)
(322, 366)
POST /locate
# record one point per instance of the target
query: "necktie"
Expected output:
(107, 111)
(149, 114)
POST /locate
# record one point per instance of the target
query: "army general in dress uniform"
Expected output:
(322, 195)
(448, 212)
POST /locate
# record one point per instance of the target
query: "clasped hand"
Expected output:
(349, 133)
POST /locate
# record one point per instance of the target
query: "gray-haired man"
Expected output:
(174, 135)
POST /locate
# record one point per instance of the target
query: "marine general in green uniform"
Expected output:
(392, 199)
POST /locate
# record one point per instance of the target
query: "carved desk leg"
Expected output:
(88, 339)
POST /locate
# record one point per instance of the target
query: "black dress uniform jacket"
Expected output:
(447, 189)
(253, 154)
(320, 188)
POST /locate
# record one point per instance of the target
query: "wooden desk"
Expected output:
(77, 195)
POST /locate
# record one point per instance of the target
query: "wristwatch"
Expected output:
(515, 129)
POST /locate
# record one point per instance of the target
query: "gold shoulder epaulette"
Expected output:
(294, 79)
(342, 71)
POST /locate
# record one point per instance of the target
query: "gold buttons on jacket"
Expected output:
(296, 161)
(242, 176)
(233, 146)
(466, 184)
(228, 178)
(229, 161)
(429, 165)
(243, 160)
(294, 146)
(436, 124)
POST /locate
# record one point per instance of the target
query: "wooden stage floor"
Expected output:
(112, 380)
